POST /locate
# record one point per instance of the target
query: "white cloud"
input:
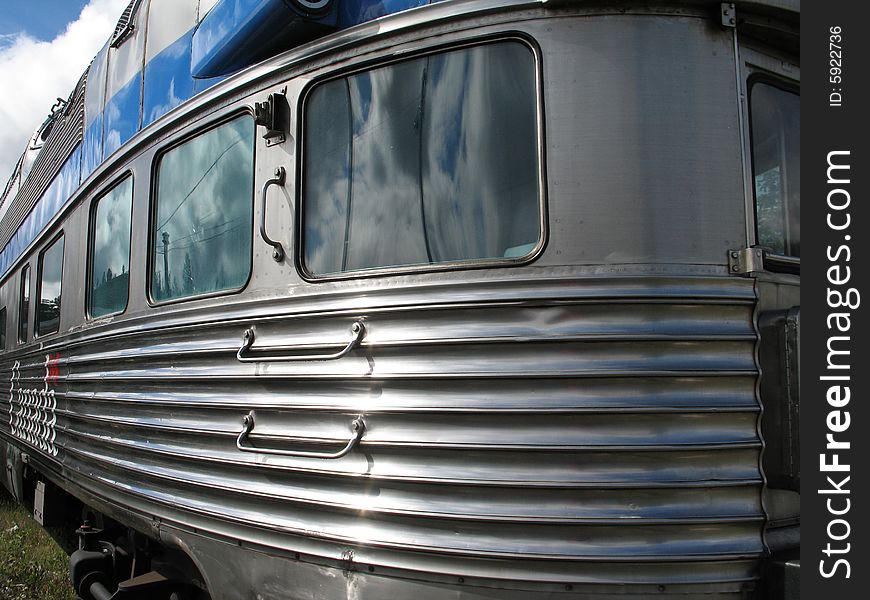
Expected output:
(33, 74)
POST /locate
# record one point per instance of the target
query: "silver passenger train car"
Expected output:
(478, 299)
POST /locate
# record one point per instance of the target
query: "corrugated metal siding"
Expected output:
(64, 137)
(606, 425)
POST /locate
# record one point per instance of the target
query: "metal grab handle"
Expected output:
(358, 330)
(358, 426)
(277, 248)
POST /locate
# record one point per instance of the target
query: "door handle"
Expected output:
(277, 248)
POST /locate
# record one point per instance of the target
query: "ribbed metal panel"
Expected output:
(607, 426)
(65, 135)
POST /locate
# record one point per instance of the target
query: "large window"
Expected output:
(430, 160)
(23, 303)
(3, 328)
(775, 123)
(49, 288)
(203, 215)
(110, 251)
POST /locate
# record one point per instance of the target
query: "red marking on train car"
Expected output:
(53, 373)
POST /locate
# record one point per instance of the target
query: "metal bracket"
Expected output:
(274, 115)
(729, 14)
(746, 261)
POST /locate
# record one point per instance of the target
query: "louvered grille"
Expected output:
(125, 24)
(604, 429)
(65, 135)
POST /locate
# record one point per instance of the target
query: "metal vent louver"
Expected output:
(125, 24)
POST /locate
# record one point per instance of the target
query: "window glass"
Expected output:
(425, 161)
(775, 123)
(203, 221)
(3, 328)
(110, 263)
(24, 303)
(50, 276)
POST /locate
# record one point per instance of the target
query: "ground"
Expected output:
(32, 565)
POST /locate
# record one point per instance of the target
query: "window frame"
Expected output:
(38, 295)
(461, 265)
(152, 205)
(92, 215)
(24, 277)
(757, 59)
(773, 261)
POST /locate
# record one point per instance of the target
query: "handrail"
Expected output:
(358, 426)
(358, 330)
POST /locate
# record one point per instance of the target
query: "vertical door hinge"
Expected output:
(746, 261)
(728, 14)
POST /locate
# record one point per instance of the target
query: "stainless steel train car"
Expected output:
(478, 299)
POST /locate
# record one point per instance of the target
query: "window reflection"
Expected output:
(775, 123)
(110, 266)
(24, 303)
(50, 276)
(425, 161)
(201, 237)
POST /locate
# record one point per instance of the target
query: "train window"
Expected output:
(775, 128)
(49, 288)
(203, 215)
(3, 328)
(110, 251)
(24, 303)
(426, 161)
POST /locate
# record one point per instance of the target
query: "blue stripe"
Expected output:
(167, 80)
(122, 115)
(52, 202)
(354, 12)
(92, 147)
(238, 33)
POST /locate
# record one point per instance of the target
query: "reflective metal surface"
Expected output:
(585, 425)
(579, 425)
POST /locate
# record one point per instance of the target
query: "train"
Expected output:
(369, 299)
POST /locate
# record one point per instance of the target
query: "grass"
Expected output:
(32, 565)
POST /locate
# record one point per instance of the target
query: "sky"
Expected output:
(45, 46)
